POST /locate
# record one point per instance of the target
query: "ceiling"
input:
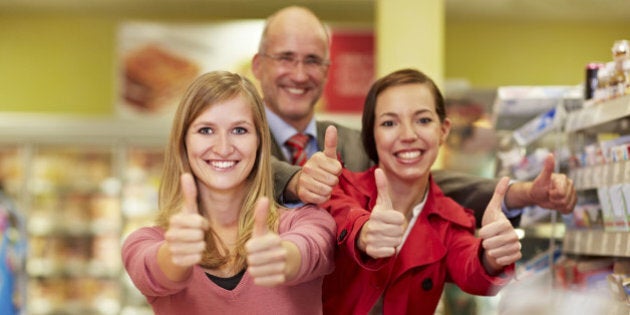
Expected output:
(331, 10)
(554, 10)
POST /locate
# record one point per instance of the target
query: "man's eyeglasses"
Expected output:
(291, 61)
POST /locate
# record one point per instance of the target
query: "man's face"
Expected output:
(292, 70)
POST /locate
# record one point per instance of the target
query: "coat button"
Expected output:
(342, 235)
(427, 284)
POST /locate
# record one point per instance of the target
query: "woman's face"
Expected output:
(407, 132)
(221, 144)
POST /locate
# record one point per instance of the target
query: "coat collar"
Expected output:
(437, 203)
(424, 244)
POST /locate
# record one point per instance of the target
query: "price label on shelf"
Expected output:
(589, 242)
(577, 239)
(618, 243)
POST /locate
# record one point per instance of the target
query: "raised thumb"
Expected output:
(493, 210)
(383, 200)
(544, 178)
(261, 213)
(189, 191)
(330, 142)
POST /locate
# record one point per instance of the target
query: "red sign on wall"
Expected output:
(351, 72)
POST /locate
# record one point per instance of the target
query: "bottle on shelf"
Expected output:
(619, 78)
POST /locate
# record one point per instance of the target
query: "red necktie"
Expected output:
(297, 144)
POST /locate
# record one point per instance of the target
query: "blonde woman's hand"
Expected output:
(185, 237)
(266, 255)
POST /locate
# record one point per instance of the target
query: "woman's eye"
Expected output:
(205, 130)
(240, 130)
(425, 120)
(387, 123)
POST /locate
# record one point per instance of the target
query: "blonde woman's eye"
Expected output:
(205, 130)
(240, 130)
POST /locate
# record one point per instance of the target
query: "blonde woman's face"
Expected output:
(221, 144)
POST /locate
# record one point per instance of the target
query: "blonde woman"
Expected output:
(221, 245)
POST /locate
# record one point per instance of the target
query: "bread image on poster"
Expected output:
(155, 78)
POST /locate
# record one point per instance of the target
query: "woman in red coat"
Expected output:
(400, 239)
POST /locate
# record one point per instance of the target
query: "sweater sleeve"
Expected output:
(139, 255)
(312, 230)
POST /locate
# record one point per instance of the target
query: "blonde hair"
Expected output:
(207, 90)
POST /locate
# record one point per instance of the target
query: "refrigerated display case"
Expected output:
(82, 184)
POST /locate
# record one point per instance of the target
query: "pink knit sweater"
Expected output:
(310, 228)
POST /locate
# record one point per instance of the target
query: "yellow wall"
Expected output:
(65, 63)
(57, 64)
(491, 54)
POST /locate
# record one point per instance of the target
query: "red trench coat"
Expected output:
(440, 247)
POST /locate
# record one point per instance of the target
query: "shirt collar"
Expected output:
(282, 131)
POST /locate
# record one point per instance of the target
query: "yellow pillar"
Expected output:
(410, 34)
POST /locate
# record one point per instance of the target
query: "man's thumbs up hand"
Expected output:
(553, 190)
(320, 174)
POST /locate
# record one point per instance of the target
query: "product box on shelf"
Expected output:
(516, 105)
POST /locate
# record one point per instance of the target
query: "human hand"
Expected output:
(383, 232)
(320, 174)
(500, 242)
(185, 237)
(553, 190)
(266, 257)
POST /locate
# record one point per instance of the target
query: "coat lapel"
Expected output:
(425, 243)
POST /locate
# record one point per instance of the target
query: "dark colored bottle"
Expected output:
(590, 84)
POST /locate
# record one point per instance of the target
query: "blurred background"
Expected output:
(87, 91)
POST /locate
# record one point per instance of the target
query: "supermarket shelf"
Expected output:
(598, 114)
(597, 243)
(66, 268)
(545, 230)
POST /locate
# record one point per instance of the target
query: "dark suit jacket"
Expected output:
(471, 192)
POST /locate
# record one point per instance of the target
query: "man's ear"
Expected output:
(256, 66)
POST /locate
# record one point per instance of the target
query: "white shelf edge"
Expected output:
(598, 114)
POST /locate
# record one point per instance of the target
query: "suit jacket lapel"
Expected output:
(276, 150)
(321, 133)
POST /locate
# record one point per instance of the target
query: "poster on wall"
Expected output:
(351, 70)
(157, 61)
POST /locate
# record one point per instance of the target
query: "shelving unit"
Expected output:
(521, 154)
(596, 115)
(582, 127)
(597, 243)
(586, 260)
(82, 183)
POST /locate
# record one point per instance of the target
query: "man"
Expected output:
(291, 66)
